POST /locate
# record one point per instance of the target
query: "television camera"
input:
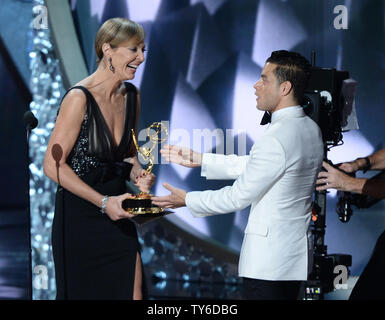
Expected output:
(329, 101)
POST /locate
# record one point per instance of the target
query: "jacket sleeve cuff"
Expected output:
(203, 165)
(191, 199)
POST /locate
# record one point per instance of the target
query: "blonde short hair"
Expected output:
(116, 31)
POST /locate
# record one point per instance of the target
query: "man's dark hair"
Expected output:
(293, 67)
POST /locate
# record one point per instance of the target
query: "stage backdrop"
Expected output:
(202, 62)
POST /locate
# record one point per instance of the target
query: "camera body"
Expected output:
(325, 103)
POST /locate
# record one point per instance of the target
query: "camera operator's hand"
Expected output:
(333, 178)
(181, 155)
(353, 166)
(349, 167)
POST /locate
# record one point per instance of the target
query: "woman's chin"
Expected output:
(127, 77)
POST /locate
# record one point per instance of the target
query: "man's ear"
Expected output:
(285, 88)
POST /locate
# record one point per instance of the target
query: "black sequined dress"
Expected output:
(94, 256)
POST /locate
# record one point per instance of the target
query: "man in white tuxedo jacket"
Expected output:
(277, 179)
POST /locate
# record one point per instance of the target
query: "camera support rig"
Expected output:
(326, 103)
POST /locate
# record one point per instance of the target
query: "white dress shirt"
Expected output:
(277, 179)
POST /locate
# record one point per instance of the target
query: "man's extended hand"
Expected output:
(181, 155)
(176, 199)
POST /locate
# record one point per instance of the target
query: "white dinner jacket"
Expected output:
(277, 179)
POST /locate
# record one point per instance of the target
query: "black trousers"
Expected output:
(255, 289)
(371, 283)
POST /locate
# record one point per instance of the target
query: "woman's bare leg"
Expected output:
(138, 294)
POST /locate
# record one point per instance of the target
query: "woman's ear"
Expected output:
(106, 48)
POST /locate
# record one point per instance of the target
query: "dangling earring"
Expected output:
(112, 68)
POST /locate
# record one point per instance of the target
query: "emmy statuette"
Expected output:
(141, 203)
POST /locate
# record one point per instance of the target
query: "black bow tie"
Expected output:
(266, 118)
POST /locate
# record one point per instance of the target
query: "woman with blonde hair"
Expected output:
(91, 155)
